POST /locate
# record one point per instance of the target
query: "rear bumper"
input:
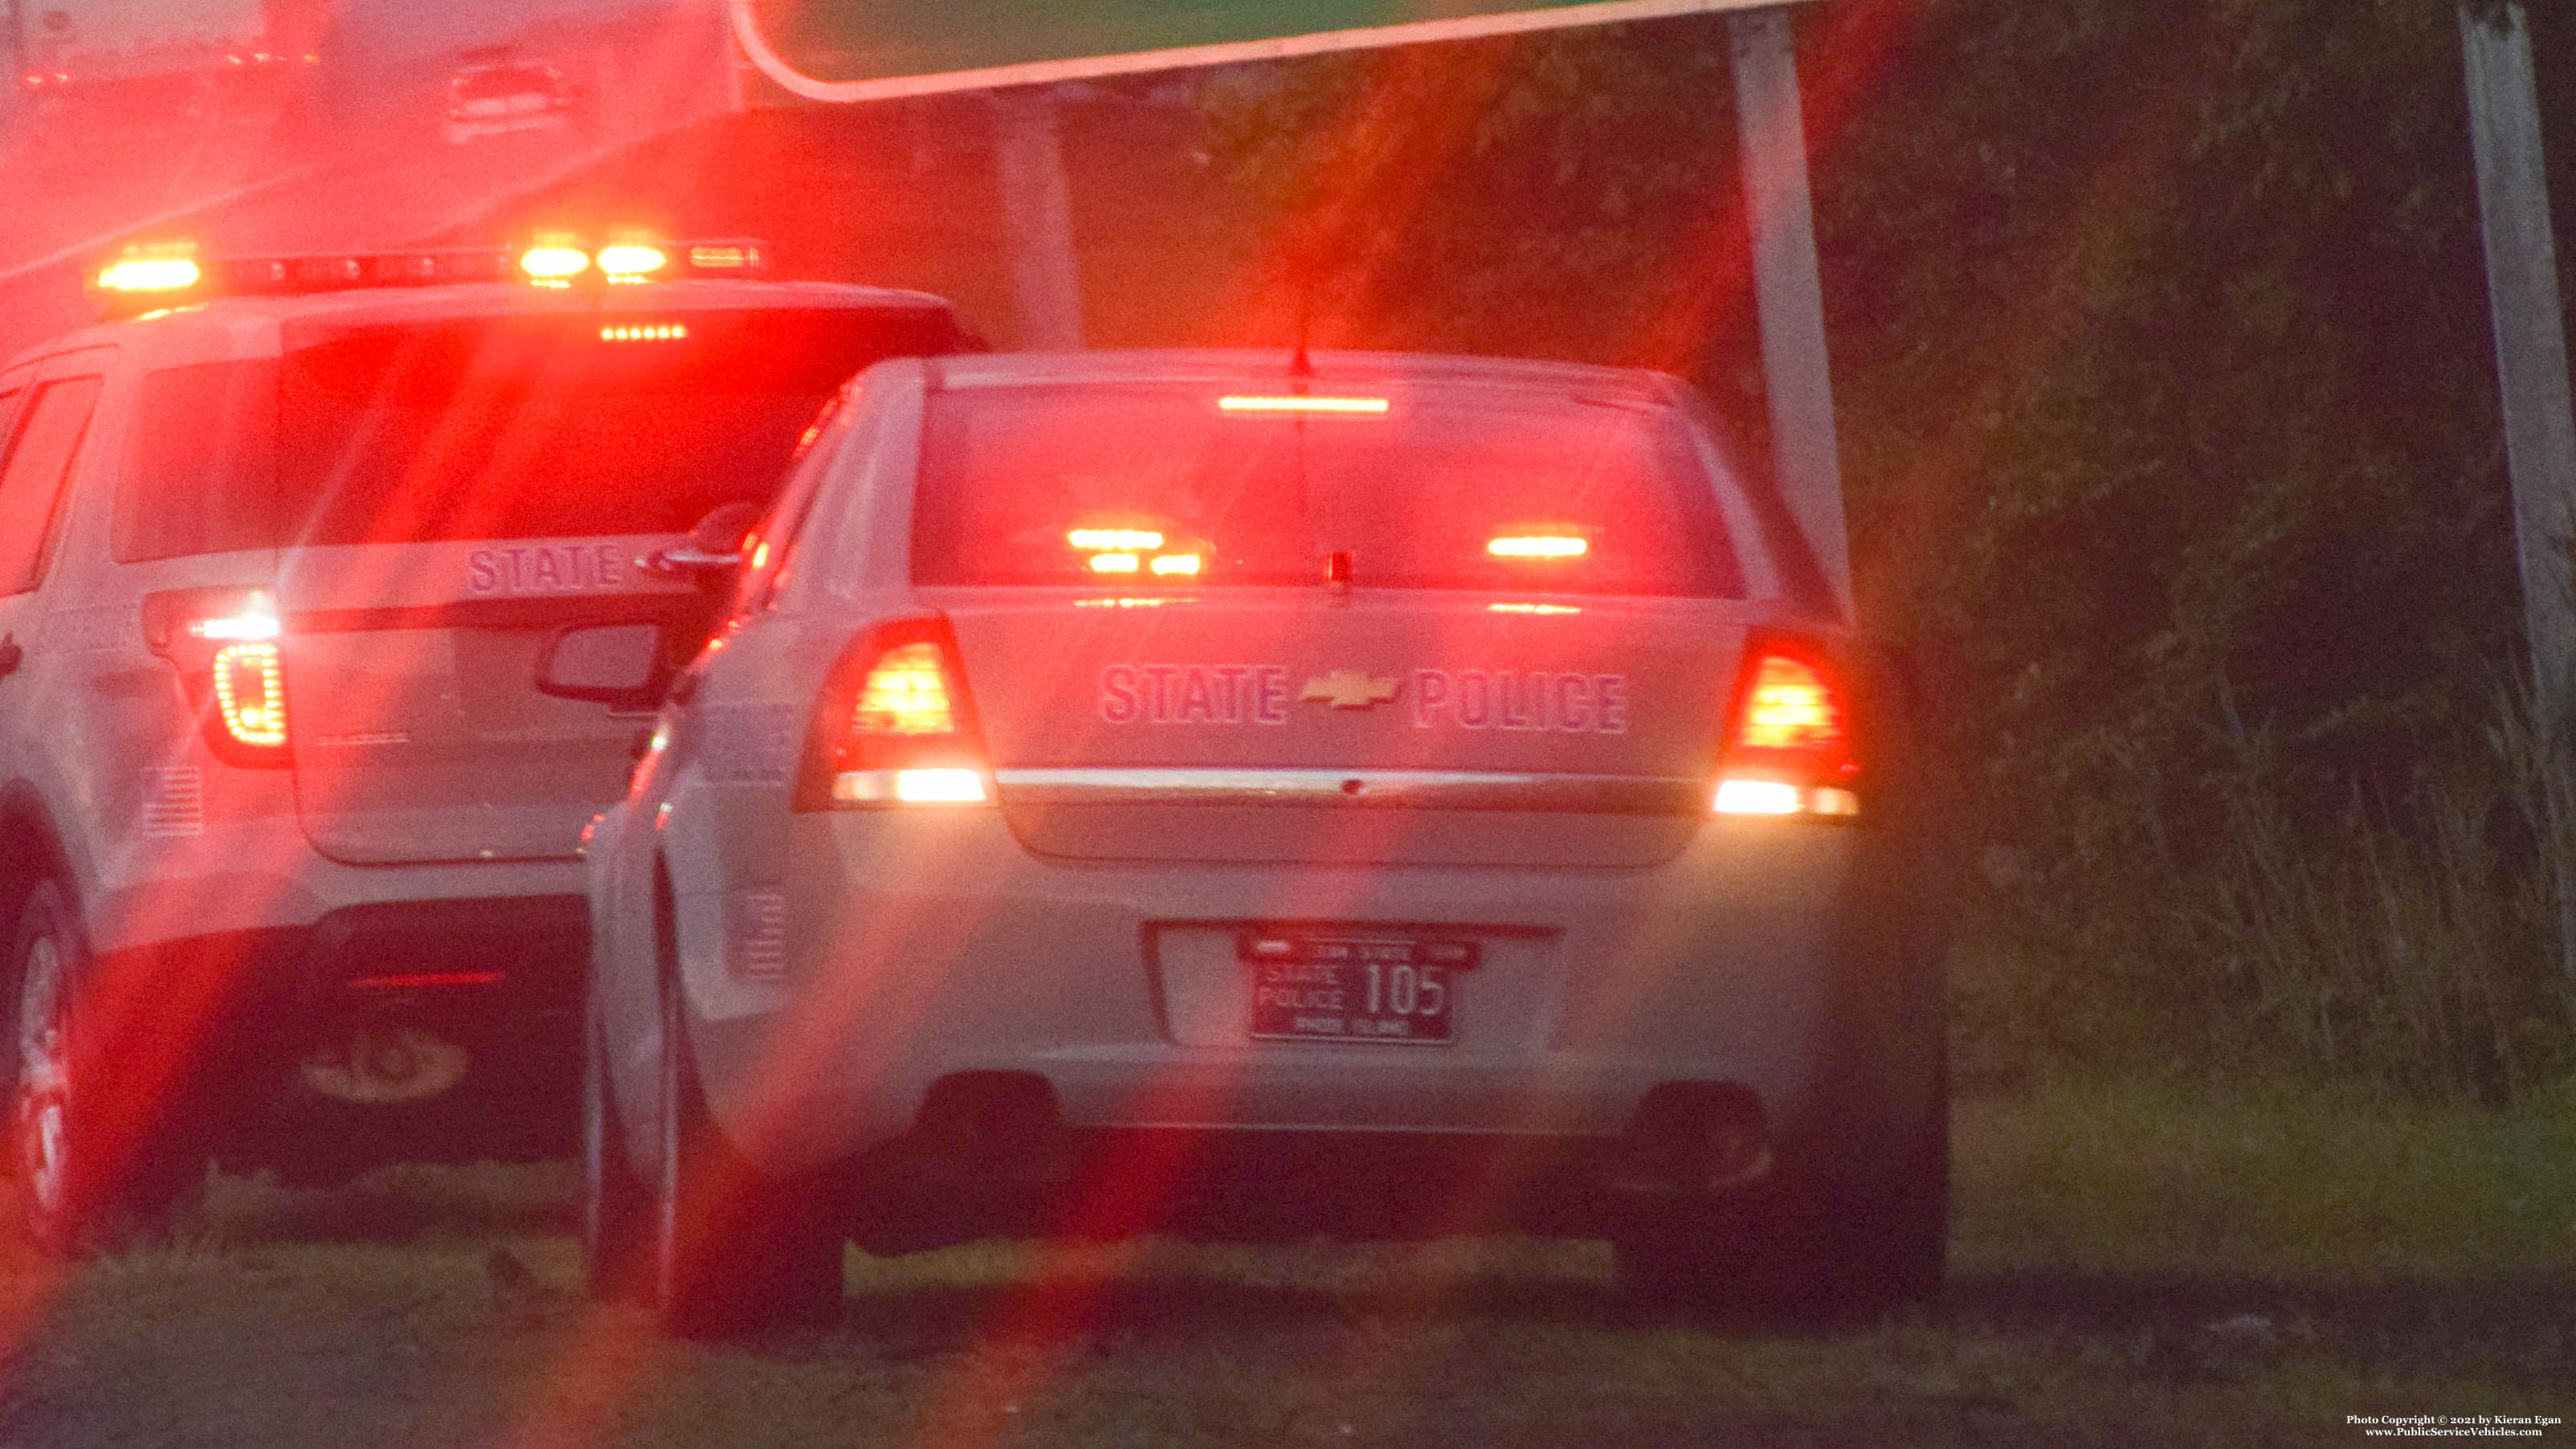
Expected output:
(500, 978)
(1785, 959)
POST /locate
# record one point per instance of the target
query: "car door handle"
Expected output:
(11, 656)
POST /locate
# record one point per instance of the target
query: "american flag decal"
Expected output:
(174, 802)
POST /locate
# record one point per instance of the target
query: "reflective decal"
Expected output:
(547, 568)
(1194, 694)
(759, 935)
(1533, 700)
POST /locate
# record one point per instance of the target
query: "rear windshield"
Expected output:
(517, 428)
(1162, 485)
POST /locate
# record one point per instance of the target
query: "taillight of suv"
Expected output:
(224, 643)
(893, 726)
(1789, 745)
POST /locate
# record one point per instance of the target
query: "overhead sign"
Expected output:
(866, 50)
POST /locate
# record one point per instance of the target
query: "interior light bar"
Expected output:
(1538, 546)
(1254, 403)
(1106, 538)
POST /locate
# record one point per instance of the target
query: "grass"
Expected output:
(2134, 1267)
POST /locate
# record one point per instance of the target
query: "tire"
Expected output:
(101, 1134)
(1900, 1251)
(616, 1203)
(730, 1249)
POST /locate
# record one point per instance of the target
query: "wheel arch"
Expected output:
(31, 850)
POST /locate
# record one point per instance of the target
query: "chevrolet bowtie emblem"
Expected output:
(1349, 689)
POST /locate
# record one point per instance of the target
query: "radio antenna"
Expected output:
(1301, 366)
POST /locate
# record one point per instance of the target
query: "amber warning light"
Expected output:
(149, 274)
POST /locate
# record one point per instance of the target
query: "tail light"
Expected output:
(224, 643)
(1789, 747)
(894, 726)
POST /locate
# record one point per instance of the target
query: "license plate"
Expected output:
(1352, 988)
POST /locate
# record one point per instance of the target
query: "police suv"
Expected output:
(288, 831)
(1247, 797)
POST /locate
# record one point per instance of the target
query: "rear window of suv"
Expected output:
(1481, 487)
(538, 427)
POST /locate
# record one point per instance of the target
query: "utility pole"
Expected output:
(2531, 368)
(18, 49)
(1788, 290)
(1037, 205)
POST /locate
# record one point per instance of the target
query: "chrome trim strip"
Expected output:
(1408, 789)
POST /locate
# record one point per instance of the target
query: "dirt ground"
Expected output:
(2157, 1273)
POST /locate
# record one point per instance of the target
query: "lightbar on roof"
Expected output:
(151, 277)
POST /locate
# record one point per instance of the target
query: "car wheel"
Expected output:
(733, 1250)
(616, 1203)
(91, 1159)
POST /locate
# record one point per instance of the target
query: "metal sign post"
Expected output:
(1788, 295)
(2531, 338)
(2531, 371)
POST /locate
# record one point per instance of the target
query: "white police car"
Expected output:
(1240, 796)
(288, 836)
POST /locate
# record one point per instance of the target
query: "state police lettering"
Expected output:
(1535, 700)
(1194, 694)
(543, 570)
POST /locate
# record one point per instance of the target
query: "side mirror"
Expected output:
(615, 664)
(713, 546)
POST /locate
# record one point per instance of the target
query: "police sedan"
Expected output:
(1247, 796)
